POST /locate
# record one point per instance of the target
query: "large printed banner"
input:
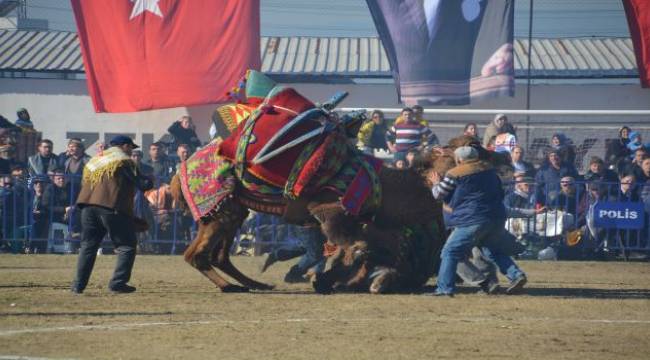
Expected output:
(447, 51)
(152, 54)
(638, 20)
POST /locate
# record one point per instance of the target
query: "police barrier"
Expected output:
(576, 217)
(579, 219)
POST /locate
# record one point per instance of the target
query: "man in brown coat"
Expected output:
(109, 183)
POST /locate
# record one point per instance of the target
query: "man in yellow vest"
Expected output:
(108, 187)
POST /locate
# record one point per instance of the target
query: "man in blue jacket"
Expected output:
(548, 178)
(474, 193)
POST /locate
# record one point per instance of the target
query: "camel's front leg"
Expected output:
(198, 254)
(230, 217)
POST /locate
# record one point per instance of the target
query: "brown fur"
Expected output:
(406, 199)
(391, 273)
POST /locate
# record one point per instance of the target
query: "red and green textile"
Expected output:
(318, 164)
(358, 183)
(280, 107)
(206, 179)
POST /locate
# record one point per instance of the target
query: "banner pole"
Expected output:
(528, 79)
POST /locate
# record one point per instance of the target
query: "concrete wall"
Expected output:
(59, 107)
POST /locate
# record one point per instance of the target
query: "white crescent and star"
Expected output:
(141, 6)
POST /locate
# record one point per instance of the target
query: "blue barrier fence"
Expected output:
(603, 217)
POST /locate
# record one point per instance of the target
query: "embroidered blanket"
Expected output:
(206, 179)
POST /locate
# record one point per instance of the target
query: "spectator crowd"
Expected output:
(38, 192)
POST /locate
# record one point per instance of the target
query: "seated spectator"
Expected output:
(163, 167)
(40, 216)
(636, 143)
(43, 160)
(520, 201)
(400, 164)
(13, 193)
(599, 173)
(418, 112)
(406, 136)
(19, 173)
(548, 178)
(183, 152)
(518, 163)
(571, 198)
(57, 197)
(24, 121)
(63, 156)
(410, 157)
(5, 165)
(184, 132)
(564, 147)
(633, 167)
(8, 156)
(136, 156)
(628, 191)
(471, 130)
(498, 126)
(73, 165)
(645, 187)
(617, 150)
(372, 134)
(644, 175)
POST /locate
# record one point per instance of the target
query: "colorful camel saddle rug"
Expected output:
(206, 179)
(358, 184)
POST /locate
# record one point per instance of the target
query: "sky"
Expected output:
(552, 18)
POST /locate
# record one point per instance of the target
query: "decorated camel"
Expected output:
(385, 263)
(290, 157)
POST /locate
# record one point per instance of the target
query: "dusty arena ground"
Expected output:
(572, 310)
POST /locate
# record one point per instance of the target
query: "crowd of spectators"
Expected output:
(38, 194)
(551, 183)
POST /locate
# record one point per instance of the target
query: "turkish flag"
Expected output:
(152, 54)
(638, 19)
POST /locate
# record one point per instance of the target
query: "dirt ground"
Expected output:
(571, 310)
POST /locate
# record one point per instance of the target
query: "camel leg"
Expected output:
(231, 218)
(221, 260)
(198, 255)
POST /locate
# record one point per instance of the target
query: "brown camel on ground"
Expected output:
(406, 200)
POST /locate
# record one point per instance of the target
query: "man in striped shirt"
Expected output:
(408, 135)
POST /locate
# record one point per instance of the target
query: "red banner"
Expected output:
(152, 54)
(638, 19)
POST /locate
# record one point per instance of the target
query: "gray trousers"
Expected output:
(96, 222)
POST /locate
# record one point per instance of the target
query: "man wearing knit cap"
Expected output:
(473, 192)
(108, 188)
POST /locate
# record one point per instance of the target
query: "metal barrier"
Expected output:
(44, 221)
(43, 218)
(580, 219)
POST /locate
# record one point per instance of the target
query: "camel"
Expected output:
(262, 166)
(406, 201)
(356, 269)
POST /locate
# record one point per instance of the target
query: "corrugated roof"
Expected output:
(56, 51)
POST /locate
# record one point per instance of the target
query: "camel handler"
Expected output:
(474, 193)
(108, 188)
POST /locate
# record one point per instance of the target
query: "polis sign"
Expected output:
(619, 215)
